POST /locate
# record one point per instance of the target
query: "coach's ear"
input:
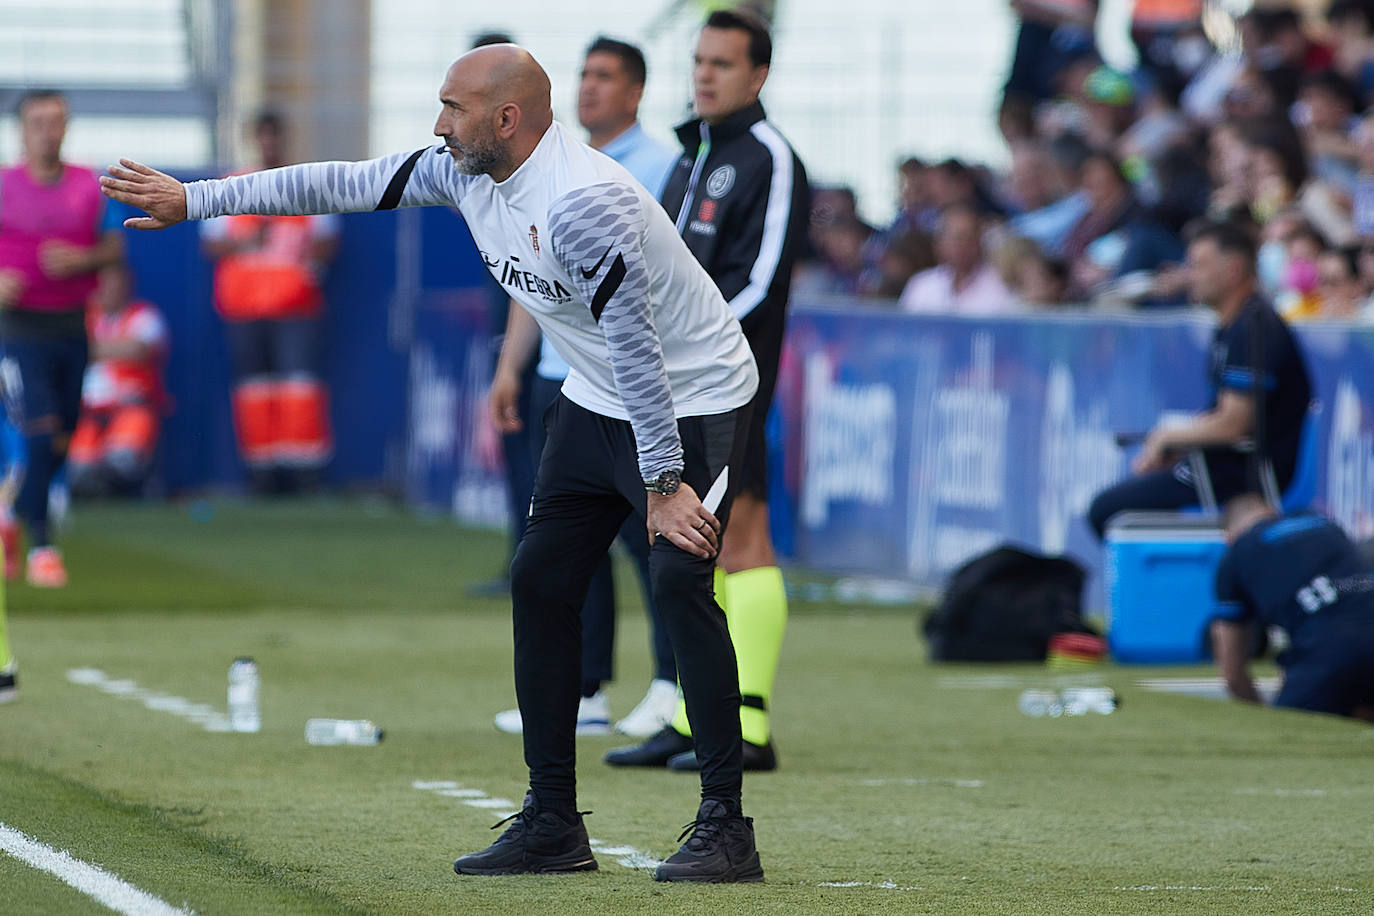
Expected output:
(506, 120)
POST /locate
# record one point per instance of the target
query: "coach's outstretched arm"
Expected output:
(415, 179)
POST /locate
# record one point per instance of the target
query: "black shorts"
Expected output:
(763, 328)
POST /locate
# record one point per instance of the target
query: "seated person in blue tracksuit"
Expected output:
(1299, 572)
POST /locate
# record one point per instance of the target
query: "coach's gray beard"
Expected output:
(480, 158)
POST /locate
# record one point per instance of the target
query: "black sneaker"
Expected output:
(756, 757)
(720, 848)
(652, 752)
(9, 685)
(537, 842)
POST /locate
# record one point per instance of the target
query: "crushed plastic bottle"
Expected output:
(331, 732)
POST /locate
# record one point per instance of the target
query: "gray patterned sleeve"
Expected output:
(596, 233)
(415, 179)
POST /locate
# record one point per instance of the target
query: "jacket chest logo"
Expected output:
(534, 240)
(720, 182)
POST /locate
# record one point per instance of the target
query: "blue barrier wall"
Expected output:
(913, 443)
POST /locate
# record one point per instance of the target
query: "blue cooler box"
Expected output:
(1160, 570)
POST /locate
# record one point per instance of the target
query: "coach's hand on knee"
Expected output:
(684, 521)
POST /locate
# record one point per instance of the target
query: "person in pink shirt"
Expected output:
(963, 283)
(56, 232)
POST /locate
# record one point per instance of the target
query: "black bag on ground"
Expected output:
(1004, 606)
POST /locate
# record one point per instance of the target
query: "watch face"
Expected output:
(665, 484)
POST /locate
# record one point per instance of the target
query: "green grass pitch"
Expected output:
(903, 788)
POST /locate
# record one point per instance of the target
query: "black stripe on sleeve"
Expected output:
(396, 187)
(614, 275)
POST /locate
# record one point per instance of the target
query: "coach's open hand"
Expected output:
(684, 521)
(158, 194)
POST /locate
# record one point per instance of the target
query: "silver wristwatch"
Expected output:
(665, 484)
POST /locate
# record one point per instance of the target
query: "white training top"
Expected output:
(580, 244)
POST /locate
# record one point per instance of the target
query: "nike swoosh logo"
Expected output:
(588, 274)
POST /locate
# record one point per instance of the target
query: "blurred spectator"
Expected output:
(122, 397)
(1298, 298)
(1278, 170)
(1229, 165)
(1109, 100)
(56, 232)
(1365, 260)
(1048, 177)
(916, 210)
(954, 182)
(1352, 30)
(1292, 44)
(1166, 34)
(1044, 28)
(963, 283)
(838, 266)
(1159, 127)
(1325, 116)
(268, 291)
(1362, 193)
(1117, 238)
(1016, 119)
(1035, 279)
(1175, 186)
(901, 258)
(1338, 283)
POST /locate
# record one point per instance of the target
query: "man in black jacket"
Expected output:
(740, 199)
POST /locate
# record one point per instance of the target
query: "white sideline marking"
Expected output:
(1281, 793)
(101, 886)
(1008, 681)
(1249, 888)
(1212, 688)
(202, 714)
(883, 885)
(922, 781)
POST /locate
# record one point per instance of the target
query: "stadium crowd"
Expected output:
(1268, 125)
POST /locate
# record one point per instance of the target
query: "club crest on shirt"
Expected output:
(534, 240)
(721, 181)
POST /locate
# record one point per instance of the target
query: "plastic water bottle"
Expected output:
(1072, 701)
(244, 715)
(1039, 703)
(1079, 701)
(328, 732)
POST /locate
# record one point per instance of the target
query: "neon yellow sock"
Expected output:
(756, 609)
(680, 723)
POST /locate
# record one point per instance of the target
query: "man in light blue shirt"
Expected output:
(612, 84)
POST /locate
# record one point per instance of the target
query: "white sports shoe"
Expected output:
(653, 712)
(593, 717)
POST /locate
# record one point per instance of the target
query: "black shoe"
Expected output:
(9, 685)
(537, 842)
(651, 752)
(757, 757)
(719, 850)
